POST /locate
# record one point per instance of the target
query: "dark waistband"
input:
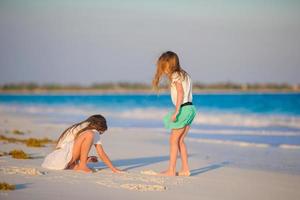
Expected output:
(186, 104)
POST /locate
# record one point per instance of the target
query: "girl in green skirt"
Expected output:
(178, 121)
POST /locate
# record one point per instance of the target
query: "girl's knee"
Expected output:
(181, 142)
(173, 140)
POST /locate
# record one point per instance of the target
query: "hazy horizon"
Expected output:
(85, 42)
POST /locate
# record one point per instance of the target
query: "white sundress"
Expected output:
(60, 158)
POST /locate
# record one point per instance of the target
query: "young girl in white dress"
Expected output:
(74, 144)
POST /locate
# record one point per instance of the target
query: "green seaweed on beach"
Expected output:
(30, 142)
(6, 186)
(17, 132)
(19, 154)
(33, 142)
(10, 139)
(46, 140)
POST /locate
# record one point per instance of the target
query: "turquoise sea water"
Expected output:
(272, 119)
(277, 104)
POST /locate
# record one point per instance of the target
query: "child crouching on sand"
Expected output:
(74, 144)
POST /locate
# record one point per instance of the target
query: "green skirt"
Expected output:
(184, 118)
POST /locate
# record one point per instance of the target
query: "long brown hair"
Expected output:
(97, 122)
(167, 64)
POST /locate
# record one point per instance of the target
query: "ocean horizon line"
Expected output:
(128, 87)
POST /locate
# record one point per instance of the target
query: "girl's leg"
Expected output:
(174, 138)
(81, 148)
(185, 170)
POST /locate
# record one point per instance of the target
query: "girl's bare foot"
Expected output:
(184, 173)
(82, 168)
(166, 173)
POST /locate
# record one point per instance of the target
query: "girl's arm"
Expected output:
(105, 158)
(180, 94)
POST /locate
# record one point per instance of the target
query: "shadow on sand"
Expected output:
(134, 162)
(201, 170)
(145, 161)
(22, 186)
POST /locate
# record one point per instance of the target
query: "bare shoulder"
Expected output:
(89, 132)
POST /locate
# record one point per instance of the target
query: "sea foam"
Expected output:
(202, 118)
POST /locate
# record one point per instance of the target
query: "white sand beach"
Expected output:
(230, 69)
(138, 151)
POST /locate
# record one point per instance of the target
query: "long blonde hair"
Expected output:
(167, 64)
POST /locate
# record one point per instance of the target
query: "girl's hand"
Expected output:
(174, 116)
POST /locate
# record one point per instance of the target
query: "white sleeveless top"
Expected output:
(187, 88)
(70, 135)
(62, 155)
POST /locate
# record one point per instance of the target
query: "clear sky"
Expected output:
(88, 41)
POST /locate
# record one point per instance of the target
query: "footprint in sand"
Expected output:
(21, 170)
(149, 172)
(143, 187)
